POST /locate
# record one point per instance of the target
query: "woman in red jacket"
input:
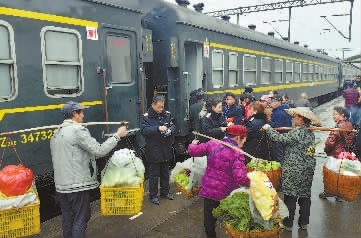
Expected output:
(338, 141)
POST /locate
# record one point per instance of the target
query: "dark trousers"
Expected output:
(305, 207)
(156, 171)
(209, 219)
(76, 211)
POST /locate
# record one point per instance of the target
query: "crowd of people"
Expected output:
(260, 122)
(242, 122)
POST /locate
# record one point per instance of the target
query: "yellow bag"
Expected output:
(263, 194)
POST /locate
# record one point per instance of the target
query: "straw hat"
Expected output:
(304, 112)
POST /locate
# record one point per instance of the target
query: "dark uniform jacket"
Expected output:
(210, 125)
(194, 111)
(257, 140)
(233, 112)
(158, 147)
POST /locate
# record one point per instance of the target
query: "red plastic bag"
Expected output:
(346, 155)
(15, 180)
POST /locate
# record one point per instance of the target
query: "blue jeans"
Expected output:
(76, 211)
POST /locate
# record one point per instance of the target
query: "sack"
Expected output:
(263, 194)
(15, 180)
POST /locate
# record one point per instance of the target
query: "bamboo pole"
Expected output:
(316, 129)
(226, 144)
(57, 126)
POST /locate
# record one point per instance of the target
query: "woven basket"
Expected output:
(273, 233)
(346, 187)
(188, 194)
(273, 175)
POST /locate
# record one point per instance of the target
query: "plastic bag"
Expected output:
(195, 167)
(344, 166)
(198, 169)
(15, 180)
(263, 194)
(123, 169)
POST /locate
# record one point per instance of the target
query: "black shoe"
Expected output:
(155, 200)
(324, 195)
(168, 196)
(287, 228)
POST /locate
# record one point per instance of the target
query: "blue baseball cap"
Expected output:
(71, 106)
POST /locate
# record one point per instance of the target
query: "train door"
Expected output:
(120, 77)
(193, 68)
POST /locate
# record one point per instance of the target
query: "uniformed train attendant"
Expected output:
(158, 129)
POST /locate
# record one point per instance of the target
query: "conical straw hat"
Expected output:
(304, 112)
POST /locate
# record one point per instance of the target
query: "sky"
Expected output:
(307, 26)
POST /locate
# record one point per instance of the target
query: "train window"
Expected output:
(289, 71)
(316, 73)
(311, 70)
(305, 72)
(8, 79)
(119, 59)
(62, 61)
(249, 70)
(217, 68)
(278, 71)
(298, 75)
(265, 70)
(233, 69)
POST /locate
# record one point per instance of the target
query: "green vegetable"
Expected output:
(263, 165)
(235, 211)
(182, 179)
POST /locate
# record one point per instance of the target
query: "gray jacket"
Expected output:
(73, 153)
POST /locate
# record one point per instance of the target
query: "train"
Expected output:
(115, 55)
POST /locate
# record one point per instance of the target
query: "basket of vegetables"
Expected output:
(122, 186)
(187, 175)
(239, 219)
(271, 168)
(183, 184)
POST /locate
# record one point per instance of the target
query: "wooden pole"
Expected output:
(225, 144)
(122, 123)
(316, 129)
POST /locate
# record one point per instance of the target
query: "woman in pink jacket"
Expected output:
(225, 172)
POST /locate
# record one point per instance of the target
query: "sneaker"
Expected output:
(155, 200)
(324, 195)
(168, 196)
(287, 228)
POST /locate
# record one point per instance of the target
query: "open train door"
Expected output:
(193, 69)
(120, 77)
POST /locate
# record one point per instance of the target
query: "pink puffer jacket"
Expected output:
(225, 170)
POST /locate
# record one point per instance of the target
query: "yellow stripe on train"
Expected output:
(46, 17)
(3, 112)
(274, 87)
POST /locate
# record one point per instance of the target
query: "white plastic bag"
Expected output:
(123, 169)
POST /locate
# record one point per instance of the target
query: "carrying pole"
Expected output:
(121, 123)
(316, 129)
(226, 144)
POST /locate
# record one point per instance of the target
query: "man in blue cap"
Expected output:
(73, 152)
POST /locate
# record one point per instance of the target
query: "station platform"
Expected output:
(183, 218)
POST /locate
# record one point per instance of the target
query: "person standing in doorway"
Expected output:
(73, 152)
(158, 129)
